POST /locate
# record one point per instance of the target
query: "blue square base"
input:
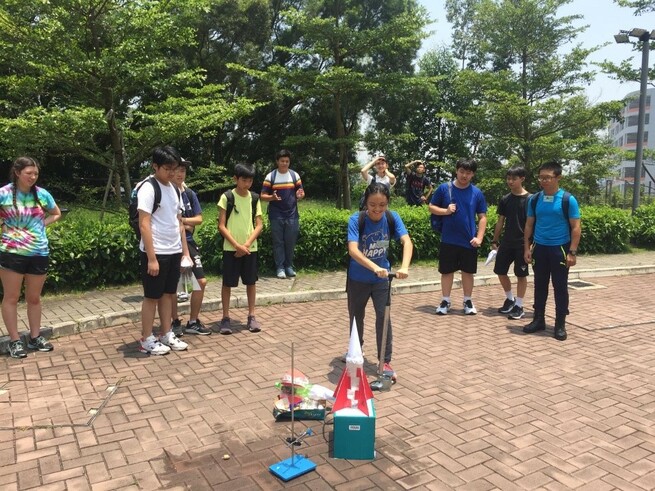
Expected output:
(292, 467)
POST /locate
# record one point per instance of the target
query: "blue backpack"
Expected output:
(437, 220)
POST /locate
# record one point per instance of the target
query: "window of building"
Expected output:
(634, 104)
(631, 138)
(634, 120)
(629, 172)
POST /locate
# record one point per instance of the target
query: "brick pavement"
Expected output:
(74, 313)
(478, 405)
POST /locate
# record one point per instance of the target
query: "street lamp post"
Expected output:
(644, 36)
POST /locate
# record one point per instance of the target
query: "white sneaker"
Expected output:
(173, 342)
(469, 308)
(443, 308)
(152, 346)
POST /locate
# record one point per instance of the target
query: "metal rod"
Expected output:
(293, 397)
(645, 40)
(387, 315)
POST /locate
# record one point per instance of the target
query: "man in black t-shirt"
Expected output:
(417, 183)
(512, 213)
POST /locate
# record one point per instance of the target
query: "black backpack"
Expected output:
(133, 208)
(229, 195)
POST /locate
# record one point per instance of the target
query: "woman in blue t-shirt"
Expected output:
(25, 211)
(369, 263)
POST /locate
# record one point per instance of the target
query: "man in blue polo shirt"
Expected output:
(556, 227)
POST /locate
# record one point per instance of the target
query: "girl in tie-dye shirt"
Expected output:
(25, 211)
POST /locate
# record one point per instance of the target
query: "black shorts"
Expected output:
(455, 258)
(197, 270)
(166, 281)
(244, 267)
(508, 255)
(36, 265)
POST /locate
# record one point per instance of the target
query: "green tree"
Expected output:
(344, 56)
(625, 70)
(104, 80)
(425, 121)
(640, 6)
(461, 14)
(530, 82)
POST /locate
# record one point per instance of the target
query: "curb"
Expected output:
(91, 323)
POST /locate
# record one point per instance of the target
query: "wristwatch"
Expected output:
(573, 252)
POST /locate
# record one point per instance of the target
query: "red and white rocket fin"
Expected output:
(364, 387)
(341, 392)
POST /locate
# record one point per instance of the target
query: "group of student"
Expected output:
(549, 244)
(168, 215)
(167, 243)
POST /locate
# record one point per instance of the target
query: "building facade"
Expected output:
(624, 135)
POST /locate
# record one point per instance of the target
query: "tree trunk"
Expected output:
(118, 150)
(344, 178)
(118, 196)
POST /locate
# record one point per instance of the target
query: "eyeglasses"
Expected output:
(546, 178)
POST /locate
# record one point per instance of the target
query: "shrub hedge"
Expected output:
(87, 254)
(644, 227)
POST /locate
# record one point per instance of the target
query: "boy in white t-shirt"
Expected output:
(162, 246)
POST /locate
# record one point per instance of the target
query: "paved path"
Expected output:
(478, 404)
(74, 313)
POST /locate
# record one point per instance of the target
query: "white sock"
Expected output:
(447, 299)
(519, 301)
(467, 298)
(509, 295)
(192, 321)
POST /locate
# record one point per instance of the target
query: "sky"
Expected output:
(604, 19)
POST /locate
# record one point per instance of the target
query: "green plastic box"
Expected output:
(354, 433)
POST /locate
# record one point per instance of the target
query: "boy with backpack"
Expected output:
(457, 204)
(190, 219)
(240, 223)
(282, 189)
(162, 245)
(554, 217)
(511, 217)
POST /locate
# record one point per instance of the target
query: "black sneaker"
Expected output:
(516, 313)
(177, 328)
(40, 343)
(198, 328)
(17, 349)
(507, 306)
